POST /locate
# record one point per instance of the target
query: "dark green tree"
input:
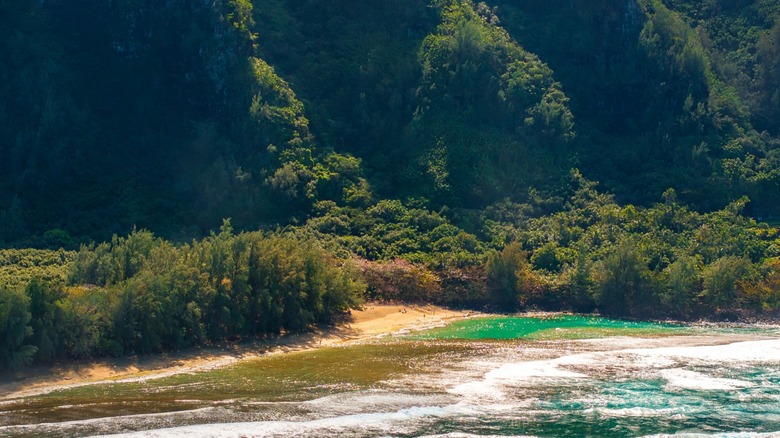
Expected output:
(15, 349)
(623, 283)
(45, 319)
(721, 281)
(683, 283)
(505, 270)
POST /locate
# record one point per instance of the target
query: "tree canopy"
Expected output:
(614, 156)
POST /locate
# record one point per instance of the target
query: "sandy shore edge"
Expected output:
(375, 320)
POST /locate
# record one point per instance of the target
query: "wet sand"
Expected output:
(373, 321)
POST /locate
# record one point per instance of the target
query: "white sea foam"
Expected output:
(479, 390)
(747, 351)
(686, 379)
(367, 423)
(718, 435)
(495, 383)
(372, 400)
(99, 420)
(650, 361)
(537, 369)
(468, 435)
(498, 385)
(635, 412)
(360, 424)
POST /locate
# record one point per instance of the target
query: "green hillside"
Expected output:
(173, 117)
(622, 156)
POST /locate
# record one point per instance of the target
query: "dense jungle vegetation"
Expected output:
(612, 156)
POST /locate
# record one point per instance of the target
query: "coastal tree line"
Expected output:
(142, 294)
(579, 250)
(582, 252)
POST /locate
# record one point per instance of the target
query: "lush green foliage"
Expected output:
(19, 266)
(143, 294)
(159, 115)
(666, 260)
(491, 118)
(508, 274)
(656, 100)
(429, 141)
(173, 116)
(390, 229)
(14, 330)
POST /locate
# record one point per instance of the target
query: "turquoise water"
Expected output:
(636, 407)
(551, 376)
(552, 326)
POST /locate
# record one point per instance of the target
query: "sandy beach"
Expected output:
(373, 321)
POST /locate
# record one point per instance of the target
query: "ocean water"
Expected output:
(553, 376)
(552, 326)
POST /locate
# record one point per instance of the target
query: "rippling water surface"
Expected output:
(519, 376)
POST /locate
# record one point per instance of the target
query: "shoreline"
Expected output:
(375, 320)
